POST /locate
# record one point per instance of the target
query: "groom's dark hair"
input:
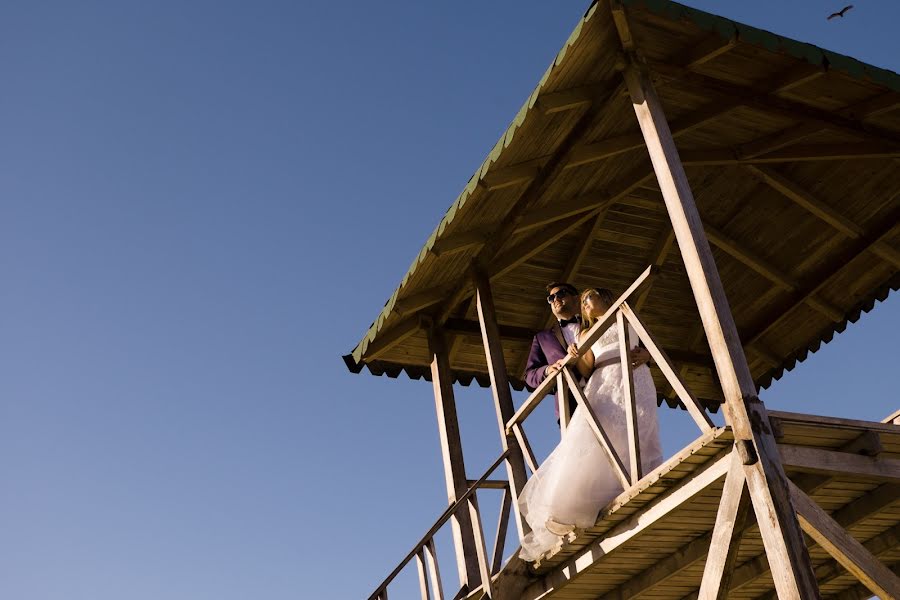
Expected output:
(562, 284)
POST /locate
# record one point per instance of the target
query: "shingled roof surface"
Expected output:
(792, 153)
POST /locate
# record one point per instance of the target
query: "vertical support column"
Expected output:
(503, 404)
(768, 485)
(451, 451)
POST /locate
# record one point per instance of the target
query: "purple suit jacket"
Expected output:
(545, 350)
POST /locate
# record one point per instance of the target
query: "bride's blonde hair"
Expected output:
(605, 296)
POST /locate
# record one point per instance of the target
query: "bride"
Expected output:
(577, 480)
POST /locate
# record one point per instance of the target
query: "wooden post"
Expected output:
(503, 403)
(768, 485)
(451, 451)
(726, 535)
(631, 423)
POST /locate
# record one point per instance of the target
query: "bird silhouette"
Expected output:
(839, 13)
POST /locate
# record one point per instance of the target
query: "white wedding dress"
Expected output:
(577, 479)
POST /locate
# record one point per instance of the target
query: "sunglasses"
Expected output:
(559, 295)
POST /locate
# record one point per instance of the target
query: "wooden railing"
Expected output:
(424, 551)
(566, 383)
(620, 314)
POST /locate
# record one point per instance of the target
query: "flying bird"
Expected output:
(839, 13)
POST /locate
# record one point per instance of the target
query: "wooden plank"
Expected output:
(631, 423)
(709, 50)
(614, 459)
(433, 570)
(500, 390)
(452, 455)
(500, 535)
(423, 576)
(816, 460)
(844, 548)
(669, 372)
(484, 570)
(416, 302)
(562, 403)
(766, 480)
(499, 178)
(627, 529)
(726, 536)
(799, 196)
(564, 100)
(389, 338)
(527, 452)
(458, 242)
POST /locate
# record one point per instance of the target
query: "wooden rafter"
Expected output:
(711, 157)
(846, 550)
(532, 194)
(818, 281)
(792, 109)
(630, 141)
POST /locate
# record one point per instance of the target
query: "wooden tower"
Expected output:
(742, 190)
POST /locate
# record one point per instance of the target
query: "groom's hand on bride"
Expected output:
(639, 356)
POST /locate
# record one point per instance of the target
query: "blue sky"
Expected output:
(203, 205)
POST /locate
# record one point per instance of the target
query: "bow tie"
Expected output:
(573, 321)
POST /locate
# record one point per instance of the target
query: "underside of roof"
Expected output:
(793, 156)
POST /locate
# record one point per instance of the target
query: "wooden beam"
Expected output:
(711, 157)
(423, 575)
(822, 278)
(792, 570)
(860, 111)
(500, 534)
(844, 548)
(665, 365)
(635, 470)
(500, 390)
(741, 254)
(816, 460)
(726, 536)
(709, 50)
(628, 529)
(569, 273)
(530, 196)
(630, 141)
(499, 178)
(801, 197)
(433, 570)
(850, 515)
(452, 455)
(525, 249)
(564, 209)
(389, 338)
(657, 258)
(458, 242)
(615, 460)
(572, 98)
(770, 272)
(793, 109)
(413, 303)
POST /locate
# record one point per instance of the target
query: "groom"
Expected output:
(548, 349)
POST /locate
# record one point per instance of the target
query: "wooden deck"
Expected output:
(652, 541)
